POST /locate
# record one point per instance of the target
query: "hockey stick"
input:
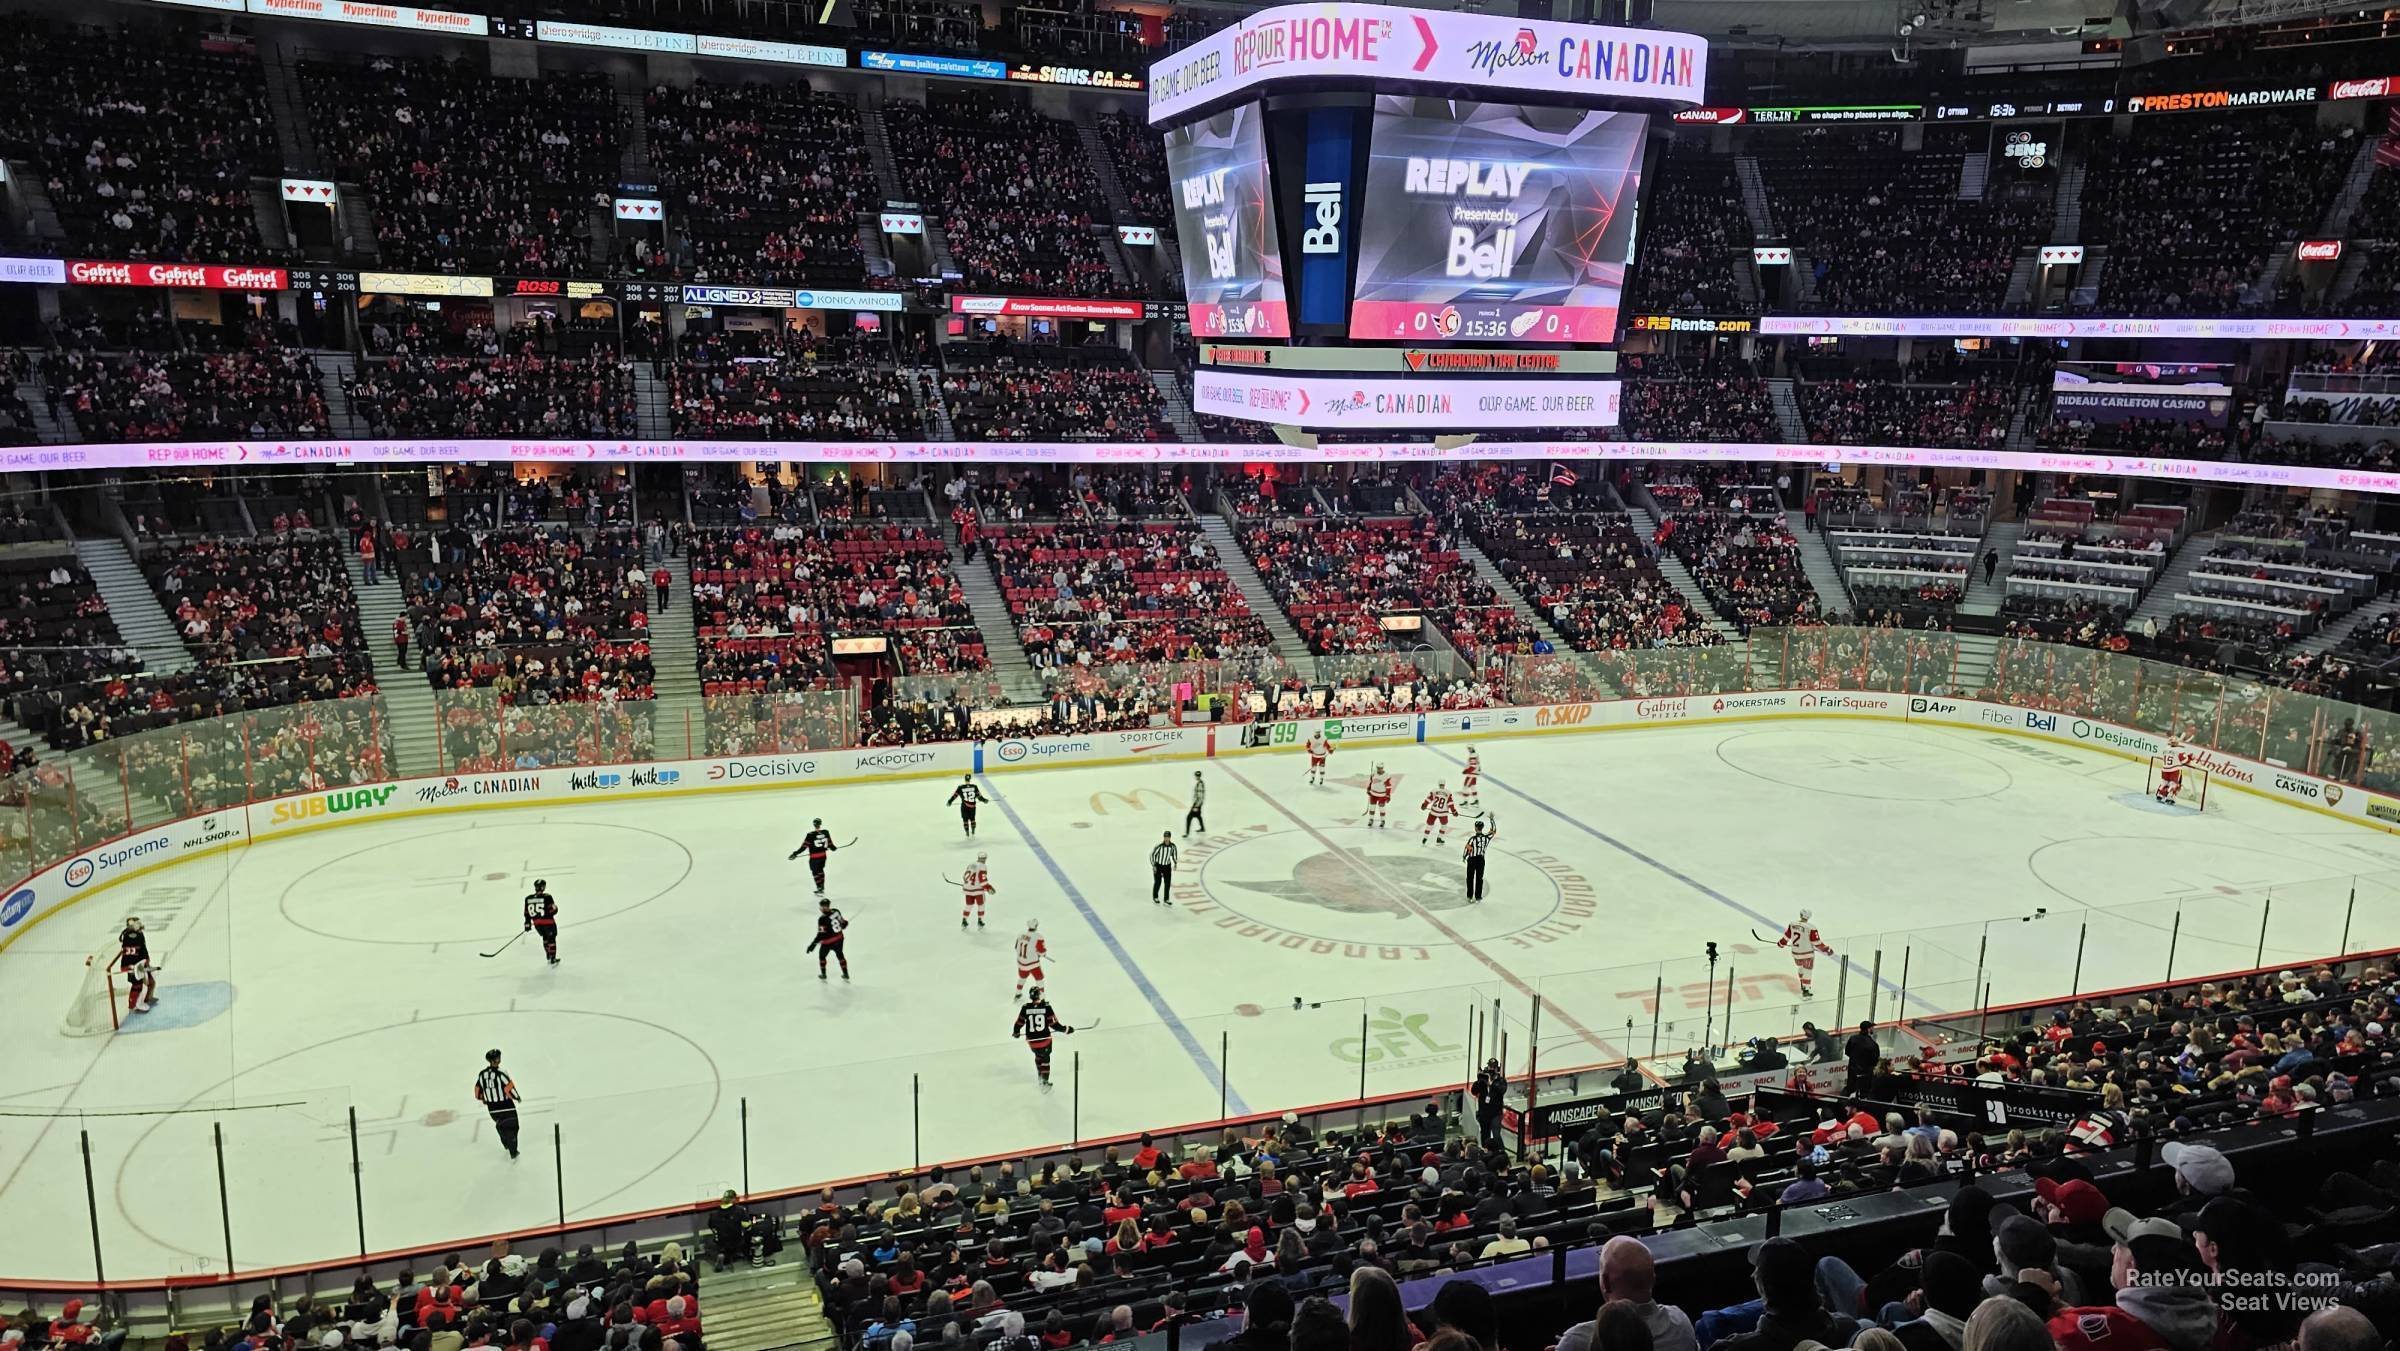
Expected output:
(847, 843)
(1764, 938)
(952, 880)
(505, 946)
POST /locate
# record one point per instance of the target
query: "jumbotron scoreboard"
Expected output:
(1362, 188)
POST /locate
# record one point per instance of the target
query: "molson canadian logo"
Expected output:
(332, 804)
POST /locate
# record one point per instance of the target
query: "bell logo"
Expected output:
(1325, 199)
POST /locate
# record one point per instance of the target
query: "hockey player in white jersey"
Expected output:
(1030, 952)
(1439, 808)
(1470, 797)
(1802, 938)
(1379, 798)
(977, 885)
(1319, 751)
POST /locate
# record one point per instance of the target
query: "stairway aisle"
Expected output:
(1984, 598)
(1498, 581)
(999, 628)
(1816, 559)
(680, 728)
(407, 699)
(2159, 602)
(767, 1308)
(133, 605)
(1680, 577)
(1253, 587)
(2330, 637)
(1975, 654)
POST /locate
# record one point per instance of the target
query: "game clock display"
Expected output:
(1496, 222)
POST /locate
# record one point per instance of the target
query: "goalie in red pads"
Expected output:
(1801, 937)
(1036, 1023)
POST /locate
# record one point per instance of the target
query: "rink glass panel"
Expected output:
(772, 1132)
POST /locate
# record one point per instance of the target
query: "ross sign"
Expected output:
(2381, 87)
(1138, 236)
(786, 298)
(1466, 55)
(1432, 401)
(1771, 257)
(955, 67)
(2318, 250)
(1047, 307)
(1720, 117)
(318, 190)
(373, 15)
(641, 208)
(2210, 100)
(190, 276)
(422, 284)
(903, 223)
(552, 286)
(780, 53)
(605, 35)
(2054, 255)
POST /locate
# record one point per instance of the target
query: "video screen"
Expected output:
(1225, 218)
(2102, 392)
(1492, 222)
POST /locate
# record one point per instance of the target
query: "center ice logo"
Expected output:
(1341, 883)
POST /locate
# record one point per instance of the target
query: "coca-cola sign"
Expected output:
(2381, 87)
(2318, 250)
(189, 276)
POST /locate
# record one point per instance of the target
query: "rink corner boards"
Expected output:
(60, 885)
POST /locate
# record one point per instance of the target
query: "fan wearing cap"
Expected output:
(2161, 1302)
(2202, 1173)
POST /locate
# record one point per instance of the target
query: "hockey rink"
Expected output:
(685, 1045)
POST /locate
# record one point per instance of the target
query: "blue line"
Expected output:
(1158, 1003)
(1670, 870)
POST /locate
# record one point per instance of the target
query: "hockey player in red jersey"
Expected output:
(978, 885)
(1036, 1022)
(1439, 808)
(1319, 751)
(1379, 798)
(1030, 951)
(1470, 798)
(1802, 938)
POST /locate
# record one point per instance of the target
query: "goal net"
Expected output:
(98, 1004)
(2195, 784)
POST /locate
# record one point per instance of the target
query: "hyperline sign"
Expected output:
(1483, 54)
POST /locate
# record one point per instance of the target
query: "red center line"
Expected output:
(1429, 917)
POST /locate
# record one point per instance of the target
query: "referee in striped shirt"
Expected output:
(1476, 845)
(1162, 868)
(498, 1094)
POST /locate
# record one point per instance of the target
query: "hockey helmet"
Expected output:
(1804, 917)
(1032, 924)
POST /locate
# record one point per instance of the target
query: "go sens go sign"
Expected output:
(1482, 53)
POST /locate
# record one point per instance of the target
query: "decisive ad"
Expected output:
(1225, 216)
(1496, 223)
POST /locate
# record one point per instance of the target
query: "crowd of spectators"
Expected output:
(145, 143)
(766, 600)
(1747, 565)
(538, 615)
(1027, 393)
(471, 171)
(1932, 405)
(791, 384)
(2191, 207)
(1593, 576)
(765, 180)
(1013, 188)
(1337, 579)
(1141, 160)
(1697, 399)
(419, 395)
(262, 605)
(1099, 593)
(1693, 231)
(1886, 229)
(139, 396)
